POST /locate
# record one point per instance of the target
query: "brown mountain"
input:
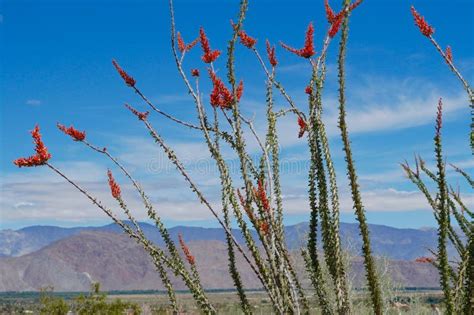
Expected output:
(118, 263)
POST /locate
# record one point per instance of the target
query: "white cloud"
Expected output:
(378, 104)
(33, 102)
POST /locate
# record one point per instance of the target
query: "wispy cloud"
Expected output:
(33, 102)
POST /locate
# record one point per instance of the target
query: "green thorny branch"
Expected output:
(268, 277)
(443, 216)
(428, 31)
(456, 283)
(158, 255)
(244, 303)
(371, 275)
(321, 158)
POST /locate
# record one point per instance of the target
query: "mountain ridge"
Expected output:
(394, 243)
(118, 263)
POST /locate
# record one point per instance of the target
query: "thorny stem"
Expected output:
(240, 143)
(443, 222)
(224, 135)
(466, 85)
(271, 78)
(371, 274)
(155, 252)
(223, 169)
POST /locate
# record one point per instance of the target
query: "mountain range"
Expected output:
(71, 258)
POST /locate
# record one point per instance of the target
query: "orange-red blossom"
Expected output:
(189, 257)
(308, 50)
(114, 187)
(302, 125)
(182, 46)
(125, 76)
(220, 95)
(72, 132)
(42, 155)
(209, 54)
(420, 21)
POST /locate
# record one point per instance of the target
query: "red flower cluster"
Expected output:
(424, 27)
(186, 251)
(449, 54)
(302, 125)
(336, 25)
(330, 15)
(114, 187)
(261, 195)
(271, 54)
(246, 40)
(209, 55)
(140, 115)
(128, 79)
(220, 95)
(308, 90)
(336, 19)
(263, 226)
(308, 50)
(195, 72)
(439, 118)
(74, 133)
(424, 259)
(185, 47)
(42, 155)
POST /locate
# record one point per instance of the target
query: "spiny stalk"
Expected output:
(371, 275)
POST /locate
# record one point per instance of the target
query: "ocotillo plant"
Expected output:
(456, 279)
(447, 54)
(255, 199)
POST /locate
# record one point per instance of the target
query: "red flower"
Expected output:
(424, 27)
(449, 54)
(330, 15)
(424, 259)
(308, 90)
(335, 25)
(195, 72)
(114, 187)
(271, 54)
(128, 79)
(355, 5)
(240, 90)
(209, 55)
(220, 95)
(185, 47)
(74, 133)
(186, 251)
(308, 50)
(302, 125)
(263, 227)
(181, 44)
(336, 19)
(140, 115)
(261, 195)
(246, 40)
(42, 155)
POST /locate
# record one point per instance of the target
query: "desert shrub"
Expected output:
(51, 305)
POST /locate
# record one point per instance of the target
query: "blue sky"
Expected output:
(56, 67)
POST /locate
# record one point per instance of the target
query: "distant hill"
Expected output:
(118, 263)
(397, 244)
